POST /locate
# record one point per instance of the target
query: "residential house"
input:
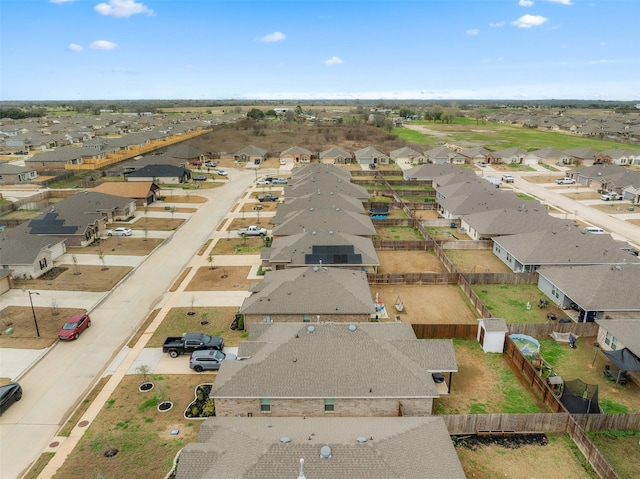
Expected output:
(297, 155)
(327, 447)
(325, 184)
(581, 156)
(300, 294)
(429, 171)
(59, 158)
(321, 249)
(475, 155)
(407, 155)
(509, 156)
(443, 155)
(187, 153)
(336, 156)
(325, 220)
(617, 334)
(615, 156)
(316, 201)
(14, 174)
(371, 156)
(6, 280)
(559, 247)
(161, 174)
(143, 192)
(333, 369)
(453, 207)
(28, 255)
(251, 154)
(597, 291)
(551, 156)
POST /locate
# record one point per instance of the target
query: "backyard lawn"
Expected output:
(510, 302)
(476, 261)
(398, 233)
(620, 448)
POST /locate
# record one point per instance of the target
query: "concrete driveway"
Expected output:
(53, 386)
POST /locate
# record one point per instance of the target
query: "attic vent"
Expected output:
(313, 233)
(352, 327)
(311, 329)
(330, 232)
(361, 439)
(311, 209)
(285, 440)
(325, 452)
(316, 269)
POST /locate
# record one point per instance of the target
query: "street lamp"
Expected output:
(34, 311)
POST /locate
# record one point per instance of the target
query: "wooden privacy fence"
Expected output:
(466, 244)
(412, 278)
(477, 303)
(445, 331)
(590, 451)
(501, 278)
(402, 245)
(544, 330)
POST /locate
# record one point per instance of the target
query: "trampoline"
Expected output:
(580, 398)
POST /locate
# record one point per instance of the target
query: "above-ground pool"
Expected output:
(526, 344)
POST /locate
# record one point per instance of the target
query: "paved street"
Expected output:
(58, 382)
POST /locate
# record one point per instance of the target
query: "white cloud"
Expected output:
(273, 37)
(528, 21)
(601, 62)
(497, 24)
(74, 47)
(334, 61)
(563, 2)
(103, 45)
(122, 8)
(525, 3)
(473, 32)
(61, 1)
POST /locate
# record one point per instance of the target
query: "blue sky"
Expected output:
(306, 49)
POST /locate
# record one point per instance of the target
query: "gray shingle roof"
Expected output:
(335, 362)
(305, 290)
(597, 287)
(515, 220)
(316, 201)
(480, 201)
(309, 220)
(626, 330)
(252, 448)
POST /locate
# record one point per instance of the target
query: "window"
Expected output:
(265, 405)
(607, 339)
(329, 405)
(306, 318)
(614, 343)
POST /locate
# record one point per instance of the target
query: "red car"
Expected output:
(74, 326)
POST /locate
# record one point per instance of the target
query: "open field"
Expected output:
(439, 304)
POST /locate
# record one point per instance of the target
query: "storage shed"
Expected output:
(491, 333)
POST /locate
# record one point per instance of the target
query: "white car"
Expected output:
(612, 195)
(566, 181)
(222, 172)
(119, 232)
(507, 178)
(263, 182)
(283, 161)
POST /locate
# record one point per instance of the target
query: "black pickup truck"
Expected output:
(177, 345)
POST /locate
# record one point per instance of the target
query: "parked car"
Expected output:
(211, 164)
(507, 178)
(222, 172)
(74, 326)
(208, 360)
(263, 181)
(593, 230)
(252, 230)
(482, 164)
(283, 161)
(196, 163)
(267, 197)
(566, 181)
(612, 195)
(279, 181)
(120, 232)
(372, 166)
(9, 393)
(177, 345)
(200, 178)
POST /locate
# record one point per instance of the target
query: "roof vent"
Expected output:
(330, 232)
(325, 452)
(301, 474)
(352, 327)
(285, 440)
(361, 439)
(311, 209)
(311, 329)
(316, 269)
(313, 233)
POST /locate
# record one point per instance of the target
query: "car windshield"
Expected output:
(69, 326)
(206, 339)
(218, 355)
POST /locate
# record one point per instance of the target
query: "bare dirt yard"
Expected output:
(409, 262)
(550, 178)
(428, 304)
(614, 208)
(220, 278)
(119, 245)
(476, 261)
(151, 224)
(50, 320)
(426, 214)
(238, 246)
(68, 277)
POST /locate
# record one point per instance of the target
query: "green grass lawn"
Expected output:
(510, 302)
(620, 448)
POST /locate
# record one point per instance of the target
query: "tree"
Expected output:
(103, 259)
(210, 260)
(255, 114)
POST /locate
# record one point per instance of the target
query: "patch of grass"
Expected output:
(579, 456)
(510, 302)
(611, 407)
(516, 399)
(39, 465)
(477, 407)
(150, 403)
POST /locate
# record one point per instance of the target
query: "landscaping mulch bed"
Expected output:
(512, 441)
